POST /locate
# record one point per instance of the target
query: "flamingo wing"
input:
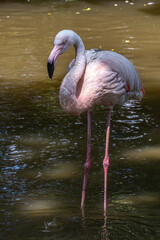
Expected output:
(109, 79)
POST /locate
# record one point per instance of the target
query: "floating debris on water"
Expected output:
(71, 0)
(86, 9)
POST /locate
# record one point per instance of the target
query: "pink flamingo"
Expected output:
(94, 77)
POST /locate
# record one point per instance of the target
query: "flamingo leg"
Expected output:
(106, 158)
(88, 159)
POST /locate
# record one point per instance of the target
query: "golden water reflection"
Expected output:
(149, 154)
(59, 171)
(28, 30)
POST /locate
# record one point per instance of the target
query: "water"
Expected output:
(43, 150)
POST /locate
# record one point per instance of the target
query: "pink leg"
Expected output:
(106, 158)
(88, 160)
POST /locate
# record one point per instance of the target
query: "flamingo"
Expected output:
(95, 77)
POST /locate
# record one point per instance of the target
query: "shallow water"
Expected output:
(43, 150)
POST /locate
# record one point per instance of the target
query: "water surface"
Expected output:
(43, 150)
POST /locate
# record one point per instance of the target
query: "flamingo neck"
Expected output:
(68, 89)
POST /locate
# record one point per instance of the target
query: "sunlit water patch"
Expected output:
(43, 150)
(149, 154)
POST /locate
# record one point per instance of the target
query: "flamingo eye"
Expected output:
(63, 43)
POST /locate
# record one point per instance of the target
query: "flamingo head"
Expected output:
(62, 42)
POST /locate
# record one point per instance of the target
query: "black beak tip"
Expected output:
(50, 67)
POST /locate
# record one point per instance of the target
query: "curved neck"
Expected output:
(68, 99)
(80, 56)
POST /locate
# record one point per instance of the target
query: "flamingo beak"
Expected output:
(53, 58)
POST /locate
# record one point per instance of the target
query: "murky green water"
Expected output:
(43, 150)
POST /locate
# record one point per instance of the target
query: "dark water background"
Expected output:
(42, 150)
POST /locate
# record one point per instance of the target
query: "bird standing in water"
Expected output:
(94, 77)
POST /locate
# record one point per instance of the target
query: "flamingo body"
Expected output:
(108, 79)
(95, 77)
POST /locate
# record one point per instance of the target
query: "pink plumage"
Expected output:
(94, 77)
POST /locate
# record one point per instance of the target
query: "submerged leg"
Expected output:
(106, 158)
(88, 160)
